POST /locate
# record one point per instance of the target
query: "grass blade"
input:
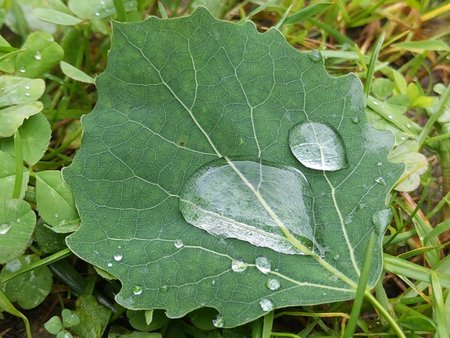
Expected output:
(372, 63)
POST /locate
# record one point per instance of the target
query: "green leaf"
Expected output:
(30, 288)
(53, 325)
(382, 88)
(69, 318)
(423, 46)
(12, 117)
(203, 90)
(8, 177)
(87, 9)
(19, 90)
(56, 17)
(93, 317)
(75, 73)
(17, 222)
(35, 133)
(138, 320)
(55, 201)
(40, 54)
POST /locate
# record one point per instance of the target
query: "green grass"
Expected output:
(400, 41)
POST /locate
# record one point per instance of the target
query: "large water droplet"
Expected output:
(273, 284)
(137, 290)
(315, 56)
(224, 199)
(4, 228)
(266, 304)
(38, 55)
(218, 321)
(238, 266)
(178, 244)
(318, 146)
(118, 257)
(263, 264)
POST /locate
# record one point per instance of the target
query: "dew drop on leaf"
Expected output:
(355, 119)
(109, 265)
(318, 146)
(22, 69)
(218, 321)
(315, 56)
(27, 87)
(263, 264)
(178, 244)
(163, 288)
(336, 257)
(27, 94)
(223, 198)
(379, 164)
(137, 290)
(266, 304)
(273, 284)
(380, 180)
(38, 55)
(118, 257)
(238, 266)
(97, 14)
(4, 228)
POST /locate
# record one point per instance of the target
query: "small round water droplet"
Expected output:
(390, 117)
(218, 321)
(109, 265)
(102, 3)
(324, 293)
(273, 284)
(375, 103)
(408, 125)
(380, 180)
(56, 215)
(18, 220)
(137, 290)
(362, 205)
(97, 14)
(38, 55)
(4, 228)
(163, 288)
(178, 244)
(27, 94)
(27, 87)
(22, 69)
(379, 164)
(263, 264)
(355, 119)
(334, 278)
(315, 56)
(238, 265)
(266, 304)
(213, 282)
(336, 257)
(118, 257)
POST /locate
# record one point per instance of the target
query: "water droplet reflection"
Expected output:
(266, 305)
